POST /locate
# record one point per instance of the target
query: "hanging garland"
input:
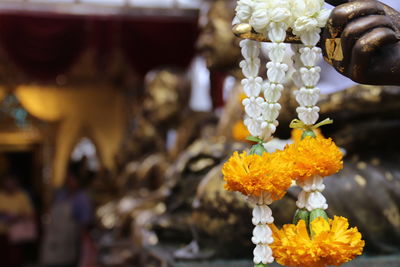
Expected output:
(313, 239)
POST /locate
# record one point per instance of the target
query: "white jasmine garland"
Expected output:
(273, 18)
(297, 64)
(261, 114)
(252, 86)
(262, 233)
(308, 95)
(276, 73)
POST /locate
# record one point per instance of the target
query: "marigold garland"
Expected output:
(332, 243)
(253, 174)
(314, 156)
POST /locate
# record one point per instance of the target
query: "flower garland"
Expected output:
(266, 177)
(313, 158)
(310, 18)
(262, 113)
(330, 243)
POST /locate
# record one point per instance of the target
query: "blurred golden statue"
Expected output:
(164, 127)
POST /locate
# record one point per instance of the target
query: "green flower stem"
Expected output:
(308, 133)
(301, 214)
(308, 129)
(260, 265)
(258, 149)
(318, 213)
(314, 215)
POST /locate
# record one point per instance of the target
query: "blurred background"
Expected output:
(116, 117)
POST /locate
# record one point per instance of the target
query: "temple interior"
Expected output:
(116, 117)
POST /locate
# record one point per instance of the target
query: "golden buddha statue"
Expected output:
(164, 127)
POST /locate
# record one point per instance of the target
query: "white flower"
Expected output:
(276, 52)
(276, 72)
(302, 200)
(310, 38)
(279, 14)
(304, 24)
(262, 200)
(270, 111)
(262, 234)
(277, 31)
(272, 91)
(270, 11)
(250, 48)
(268, 129)
(252, 86)
(310, 56)
(253, 106)
(259, 19)
(298, 8)
(316, 200)
(254, 126)
(250, 67)
(307, 97)
(310, 76)
(262, 254)
(262, 214)
(244, 10)
(308, 115)
(312, 200)
(315, 183)
(308, 8)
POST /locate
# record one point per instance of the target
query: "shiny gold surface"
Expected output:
(334, 49)
(19, 139)
(95, 112)
(167, 94)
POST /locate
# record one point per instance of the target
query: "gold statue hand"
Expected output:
(366, 35)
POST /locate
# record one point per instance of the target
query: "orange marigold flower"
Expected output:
(314, 156)
(239, 131)
(253, 174)
(333, 243)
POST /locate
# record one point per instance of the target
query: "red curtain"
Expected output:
(104, 33)
(154, 42)
(45, 45)
(217, 80)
